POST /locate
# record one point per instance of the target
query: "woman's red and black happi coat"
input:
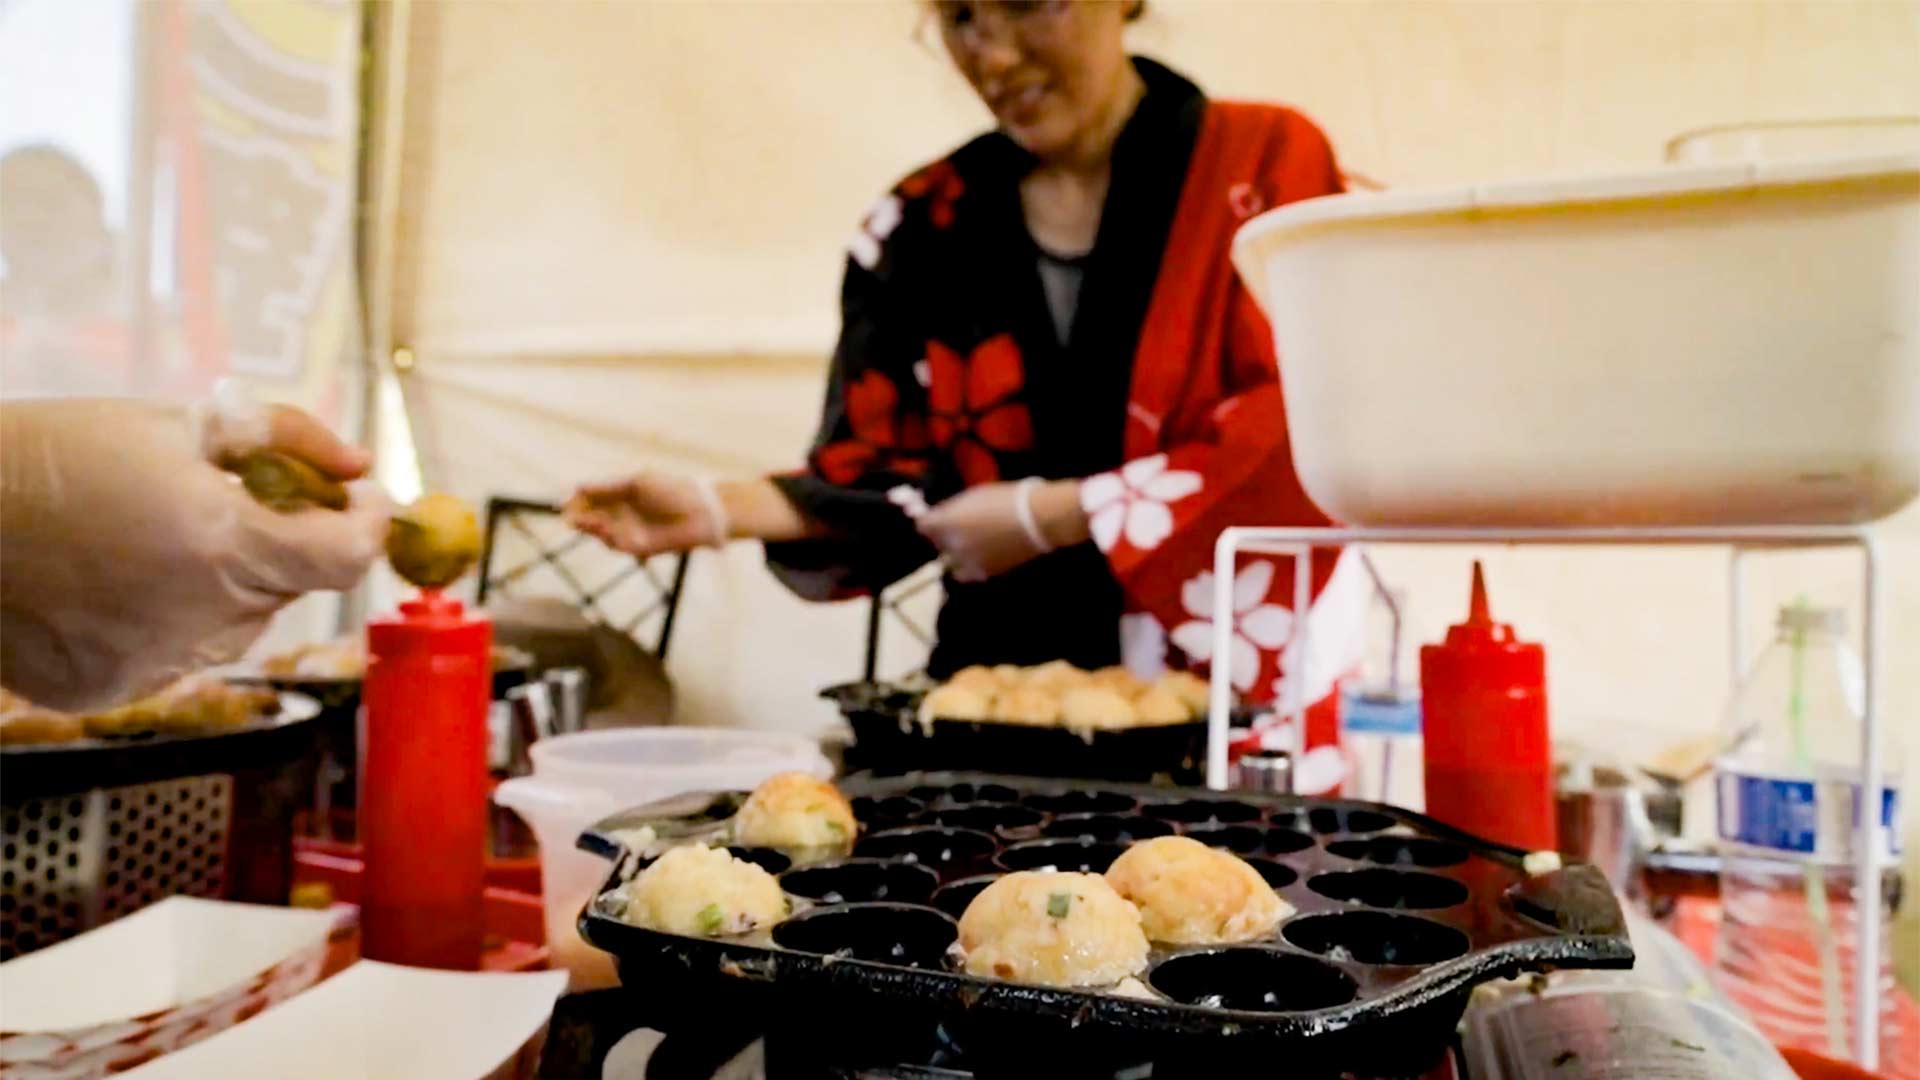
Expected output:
(1165, 396)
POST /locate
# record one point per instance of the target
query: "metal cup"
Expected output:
(567, 688)
(1269, 771)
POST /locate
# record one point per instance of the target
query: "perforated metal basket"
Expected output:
(91, 832)
(75, 861)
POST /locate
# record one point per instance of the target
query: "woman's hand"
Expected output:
(131, 558)
(648, 514)
(981, 534)
(657, 513)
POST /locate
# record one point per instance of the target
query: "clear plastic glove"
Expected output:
(649, 514)
(130, 558)
(978, 532)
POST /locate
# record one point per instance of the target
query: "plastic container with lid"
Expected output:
(578, 779)
(1489, 765)
(1702, 344)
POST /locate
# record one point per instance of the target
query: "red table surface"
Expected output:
(1697, 921)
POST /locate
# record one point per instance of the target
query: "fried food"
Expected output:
(34, 726)
(1191, 689)
(1027, 705)
(1094, 707)
(952, 702)
(434, 541)
(1053, 929)
(1119, 680)
(1160, 706)
(798, 814)
(1191, 894)
(703, 892)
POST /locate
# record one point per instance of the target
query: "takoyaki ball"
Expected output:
(703, 892)
(1159, 706)
(1192, 690)
(1191, 894)
(1057, 676)
(1027, 705)
(1119, 680)
(977, 678)
(1095, 707)
(1052, 929)
(952, 702)
(802, 815)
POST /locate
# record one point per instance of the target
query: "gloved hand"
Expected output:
(980, 532)
(649, 514)
(129, 558)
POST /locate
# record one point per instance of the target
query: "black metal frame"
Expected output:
(509, 511)
(892, 599)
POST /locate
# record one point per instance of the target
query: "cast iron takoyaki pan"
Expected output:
(890, 740)
(1397, 918)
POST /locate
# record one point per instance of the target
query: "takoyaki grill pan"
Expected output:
(891, 740)
(1397, 918)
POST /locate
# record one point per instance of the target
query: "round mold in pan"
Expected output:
(954, 896)
(1276, 874)
(963, 793)
(1333, 820)
(1251, 839)
(1203, 811)
(773, 862)
(861, 880)
(1254, 979)
(1107, 828)
(890, 933)
(1084, 856)
(999, 818)
(1080, 802)
(1376, 937)
(1382, 888)
(1400, 851)
(946, 851)
(885, 812)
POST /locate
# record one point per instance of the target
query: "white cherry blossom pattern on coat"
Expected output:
(874, 229)
(1259, 626)
(1136, 502)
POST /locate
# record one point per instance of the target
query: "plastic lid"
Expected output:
(672, 760)
(1804, 618)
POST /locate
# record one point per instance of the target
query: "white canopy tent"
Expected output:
(618, 229)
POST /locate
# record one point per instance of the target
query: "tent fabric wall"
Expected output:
(623, 223)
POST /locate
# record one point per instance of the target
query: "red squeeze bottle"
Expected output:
(423, 785)
(1489, 767)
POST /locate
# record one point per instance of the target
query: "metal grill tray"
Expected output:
(36, 770)
(1397, 918)
(889, 740)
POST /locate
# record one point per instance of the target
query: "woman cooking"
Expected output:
(1042, 334)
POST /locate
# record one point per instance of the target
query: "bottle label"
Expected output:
(1364, 715)
(1786, 813)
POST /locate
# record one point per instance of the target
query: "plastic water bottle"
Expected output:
(1788, 794)
(1380, 714)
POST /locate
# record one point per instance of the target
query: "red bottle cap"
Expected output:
(1483, 651)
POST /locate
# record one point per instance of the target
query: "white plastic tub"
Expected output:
(1728, 344)
(578, 779)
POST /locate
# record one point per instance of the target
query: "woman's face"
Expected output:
(1051, 70)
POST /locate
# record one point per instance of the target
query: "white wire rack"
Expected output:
(1298, 543)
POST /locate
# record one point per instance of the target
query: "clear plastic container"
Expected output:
(1789, 796)
(579, 779)
(1659, 1021)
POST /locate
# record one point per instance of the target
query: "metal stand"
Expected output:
(1297, 544)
